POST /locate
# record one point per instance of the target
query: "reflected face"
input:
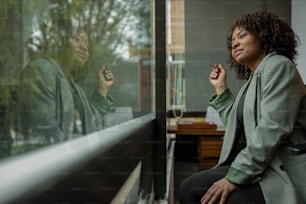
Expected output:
(79, 48)
(246, 49)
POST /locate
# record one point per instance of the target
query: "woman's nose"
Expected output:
(235, 44)
(83, 47)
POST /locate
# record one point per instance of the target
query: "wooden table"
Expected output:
(209, 142)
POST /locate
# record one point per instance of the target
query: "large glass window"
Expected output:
(69, 68)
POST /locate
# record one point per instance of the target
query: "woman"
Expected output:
(266, 116)
(52, 103)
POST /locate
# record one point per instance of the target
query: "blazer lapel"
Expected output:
(251, 104)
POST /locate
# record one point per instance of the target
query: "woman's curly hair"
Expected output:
(274, 35)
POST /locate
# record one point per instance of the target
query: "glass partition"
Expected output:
(69, 68)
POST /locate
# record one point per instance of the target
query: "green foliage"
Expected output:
(6, 7)
(33, 28)
(107, 22)
(4, 96)
(30, 29)
(16, 150)
(10, 37)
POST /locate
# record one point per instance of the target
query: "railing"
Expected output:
(36, 173)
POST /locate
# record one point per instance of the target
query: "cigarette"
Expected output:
(211, 66)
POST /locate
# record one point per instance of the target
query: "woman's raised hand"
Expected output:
(105, 80)
(217, 78)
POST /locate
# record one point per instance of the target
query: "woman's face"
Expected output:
(79, 46)
(246, 49)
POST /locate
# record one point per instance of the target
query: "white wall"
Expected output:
(299, 26)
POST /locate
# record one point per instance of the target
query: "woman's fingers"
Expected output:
(214, 74)
(216, 71)
(224, 197)
(212, 195)
(105, 74)
(219, 191)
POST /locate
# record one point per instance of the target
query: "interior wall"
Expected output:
(298, 24)
(206, 25)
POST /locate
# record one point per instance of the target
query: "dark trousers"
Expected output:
(194, 187)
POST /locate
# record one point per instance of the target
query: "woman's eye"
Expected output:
(242, 35)
(76, 38)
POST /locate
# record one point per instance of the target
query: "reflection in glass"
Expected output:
(53, 105)
(71, 68)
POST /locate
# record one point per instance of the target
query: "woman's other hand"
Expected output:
(105, 80)
(218, 192)
(217, 78)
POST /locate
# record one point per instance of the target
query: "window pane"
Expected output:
(70, 68)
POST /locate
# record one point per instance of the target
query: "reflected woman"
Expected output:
(51, 100)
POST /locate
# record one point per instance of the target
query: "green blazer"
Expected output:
(47, 104)
(274, 115)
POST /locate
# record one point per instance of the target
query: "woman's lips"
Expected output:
(237, 52)
(82, 55)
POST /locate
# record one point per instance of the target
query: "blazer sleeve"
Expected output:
(37, 100)
(100, 105)
(279, 99)
(223, 104)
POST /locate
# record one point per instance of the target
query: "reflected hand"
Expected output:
(219, 191)
(105, 80)
(217, 78)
